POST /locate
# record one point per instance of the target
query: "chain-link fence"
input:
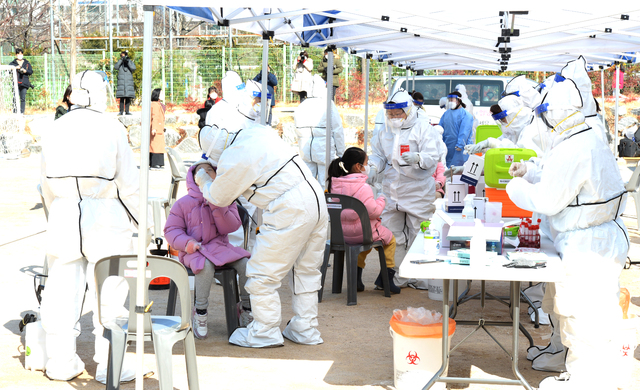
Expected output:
(187, 74)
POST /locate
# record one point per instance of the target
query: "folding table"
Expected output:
(495, 272)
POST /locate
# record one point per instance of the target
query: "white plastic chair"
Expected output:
(164, 331)
(633, 189)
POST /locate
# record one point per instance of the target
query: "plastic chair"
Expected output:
(178, 174)
(164, 331)
(485, 131)
(336, 204)
(228, 280)
(633, 189)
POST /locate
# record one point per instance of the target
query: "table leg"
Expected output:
(445, 335)
(515, 302)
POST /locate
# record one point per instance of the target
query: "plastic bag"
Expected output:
(418, 315)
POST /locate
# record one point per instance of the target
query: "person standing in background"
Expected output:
(125, 90)
(337, 69)
(61, 109)
(302, 77)
(157, 145)
(272, 81)
(23, 70)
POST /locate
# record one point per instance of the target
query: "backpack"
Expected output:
(628, 148)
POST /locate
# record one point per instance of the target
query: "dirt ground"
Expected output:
(357, 352)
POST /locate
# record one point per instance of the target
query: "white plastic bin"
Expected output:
(417, 353)
(628, 340)
(35, 350)
(436, 289)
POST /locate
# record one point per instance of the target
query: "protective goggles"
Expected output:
(558, 78)
(103, 74)
(499, 115)
(418, 103)
(240, 87)
(542, 108)
(393, 106)
(259, 94)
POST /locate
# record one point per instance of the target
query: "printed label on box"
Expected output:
(404, 149)
(504, 181)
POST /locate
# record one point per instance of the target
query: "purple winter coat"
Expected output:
(193, 218)
(355, 185)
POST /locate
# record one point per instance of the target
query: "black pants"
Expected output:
(303, 96)
(156, 159)
(124, 104)
(23, 98)
(333, 94)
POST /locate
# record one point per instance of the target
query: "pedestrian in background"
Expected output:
(157, 143)
(24, 70)
(125, 90)
(337, 69)
(272, 81)
(302, 81)
(65, 104)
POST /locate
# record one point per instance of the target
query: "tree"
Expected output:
(24, 24)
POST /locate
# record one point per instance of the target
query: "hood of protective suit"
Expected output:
(562, 104)
(401, 96)
(465, 99)
(576, 70)
(544, 87)
(89, 89)
(233, 88)
(213, 141)
(318, 88)
(518, 117)
(519, 85)
(236, 111)
(443, 102)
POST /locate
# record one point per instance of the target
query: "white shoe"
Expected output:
(127, 375)
(65, 371)
(199, 325)
(241, 338)
(556, 382)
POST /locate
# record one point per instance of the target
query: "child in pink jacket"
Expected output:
(438, 176)
(199, 231)
(348, 176)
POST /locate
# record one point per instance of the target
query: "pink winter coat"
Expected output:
(438, 176)
(193, 218)
(355, 185)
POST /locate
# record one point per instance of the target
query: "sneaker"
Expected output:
(244, 316)
(128, 113)
(199, 325)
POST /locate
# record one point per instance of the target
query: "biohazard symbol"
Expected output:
(413, 359)
(508, 158)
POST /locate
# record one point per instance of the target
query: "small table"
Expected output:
(552, 273)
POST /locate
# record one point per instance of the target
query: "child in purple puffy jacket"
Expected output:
(348, 176)
(199, 231)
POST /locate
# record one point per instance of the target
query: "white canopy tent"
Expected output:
(428, 36)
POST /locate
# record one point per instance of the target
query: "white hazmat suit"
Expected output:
(311, 128)
(254, 162)
(583, 206)
(90, 184)
(408, 187)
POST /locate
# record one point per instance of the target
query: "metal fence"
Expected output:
(187, 74)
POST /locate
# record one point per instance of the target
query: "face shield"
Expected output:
(453, 102)
(213, 141)
(398, 110)
(511, 108)
(91, 89)
(252, 102)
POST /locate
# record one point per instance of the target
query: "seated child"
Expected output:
(348, 176)
(438, 176)
(199, 231)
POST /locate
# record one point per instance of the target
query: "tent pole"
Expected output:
(406, 79)
(329, 101)
(171, 54)
(110, 44)
(144, 189)
(604, 111)
(265, 74)
(366, 102)
(389, 69)
(414, 80)
(617, 84)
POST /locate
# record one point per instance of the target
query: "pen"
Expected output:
(426, 261)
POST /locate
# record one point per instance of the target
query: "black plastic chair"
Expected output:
(336, 203)
(227, 278)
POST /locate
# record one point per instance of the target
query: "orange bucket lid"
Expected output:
(412, 329)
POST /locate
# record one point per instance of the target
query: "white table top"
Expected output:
(552, 273)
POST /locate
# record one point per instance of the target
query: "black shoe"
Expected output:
(392, 286)
(360, 285)
(120, 113)
(128, 113)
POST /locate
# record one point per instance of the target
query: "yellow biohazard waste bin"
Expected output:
(417, 352)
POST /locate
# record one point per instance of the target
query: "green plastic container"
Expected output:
(485, 131)
(511, 231)
(497, 163)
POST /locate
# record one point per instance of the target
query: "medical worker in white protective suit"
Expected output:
(311, 128)
(406, 153)
(253, 161)
(580, 189)
(519, 130)
(90, 183)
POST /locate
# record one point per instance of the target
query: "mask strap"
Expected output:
(210, 149)
(554, 127)
(514, 118)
